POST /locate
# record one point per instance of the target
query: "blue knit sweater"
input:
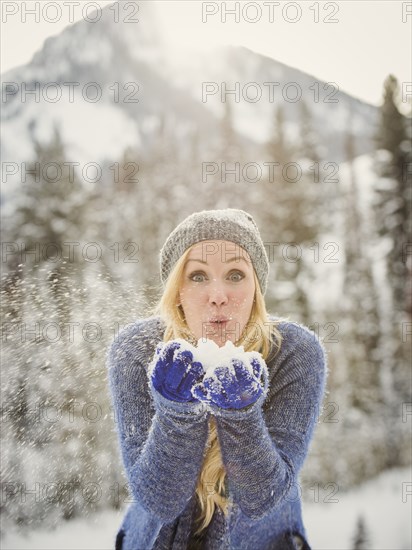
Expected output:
(263, 448)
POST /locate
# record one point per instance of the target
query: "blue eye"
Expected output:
(193, 276)
(234, 276)
(238, 276)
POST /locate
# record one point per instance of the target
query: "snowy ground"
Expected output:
(385, 503)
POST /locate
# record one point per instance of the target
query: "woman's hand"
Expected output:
(173, 372)
(232, 386)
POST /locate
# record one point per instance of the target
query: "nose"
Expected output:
(217, 294)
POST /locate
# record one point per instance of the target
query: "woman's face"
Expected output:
(217, 290)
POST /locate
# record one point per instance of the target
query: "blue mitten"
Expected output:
(232, 386)
(173, 372)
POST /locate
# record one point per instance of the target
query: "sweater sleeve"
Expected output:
(162, 442)
(263, 448)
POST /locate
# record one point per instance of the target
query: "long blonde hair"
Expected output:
(259, 335)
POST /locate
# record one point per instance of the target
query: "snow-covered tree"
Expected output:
(393, 202)
(309, 147)
(361, 539)
(393, 212)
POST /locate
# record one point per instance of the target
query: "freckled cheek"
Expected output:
(244, 301)
(192, 298)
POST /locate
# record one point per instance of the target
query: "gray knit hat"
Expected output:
(229, 224)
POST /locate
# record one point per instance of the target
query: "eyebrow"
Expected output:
(228, 261)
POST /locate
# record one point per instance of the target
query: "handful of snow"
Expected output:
(228, 376)
(211, 356)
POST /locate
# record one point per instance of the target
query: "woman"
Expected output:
(213, 461)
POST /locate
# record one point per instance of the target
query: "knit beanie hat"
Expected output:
(228, 224)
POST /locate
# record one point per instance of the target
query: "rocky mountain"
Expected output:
(112, 85)
(102, 85)
(256, 85)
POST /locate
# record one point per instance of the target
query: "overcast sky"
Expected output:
(363, 43)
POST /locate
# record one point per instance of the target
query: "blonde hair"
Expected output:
(256, 336)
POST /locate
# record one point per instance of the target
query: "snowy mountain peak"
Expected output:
(124, 29)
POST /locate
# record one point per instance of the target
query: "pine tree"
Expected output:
(360, 300)
(361, 537)
(229, 137)
(42, 367)
(231, 157)
(393, 214)
(279, 147)
(309, 145)
(48, 212)
(394, 193)
(291, 205)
